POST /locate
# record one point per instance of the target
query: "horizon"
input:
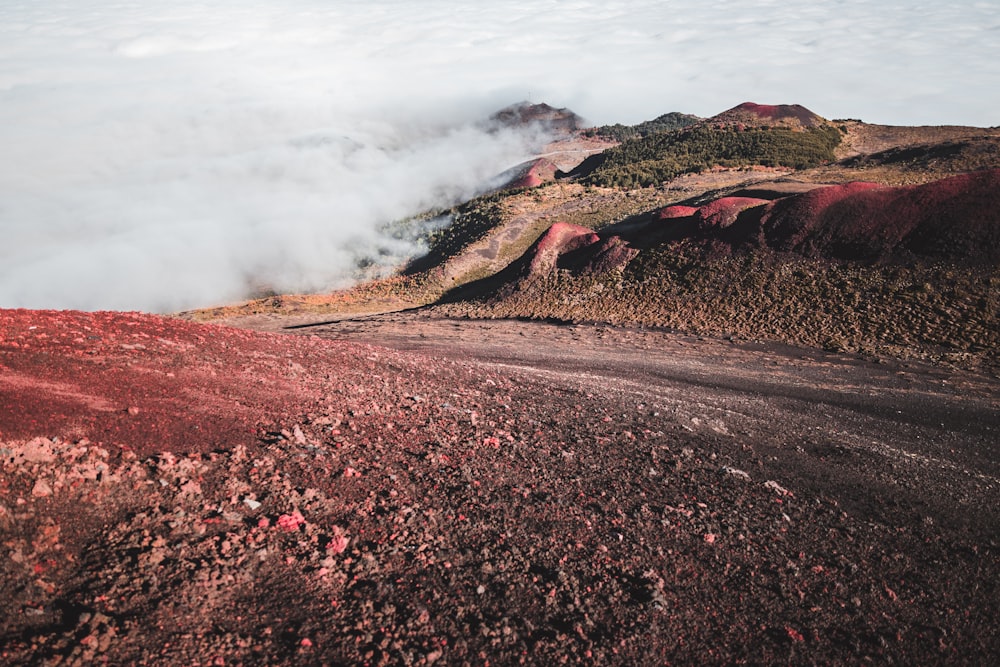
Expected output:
(170, 155)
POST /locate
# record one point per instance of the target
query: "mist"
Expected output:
(169, 155)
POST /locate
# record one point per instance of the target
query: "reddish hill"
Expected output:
(955, 219)
(530, 174)
(722, 213)
(560, 239)
(526, 113)
(675, 211)
(755, 115)
(796, 218)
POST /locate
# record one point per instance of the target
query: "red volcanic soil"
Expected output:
(676, 211)
(152, 383)
(723, 212)
(179, 494)
(955, 219)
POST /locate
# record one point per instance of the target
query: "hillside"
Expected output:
(668, 122)
(751, 114)
(863, 268)
(661, 157)
(883, 269)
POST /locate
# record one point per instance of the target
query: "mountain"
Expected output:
(526, 113)
(750, 114)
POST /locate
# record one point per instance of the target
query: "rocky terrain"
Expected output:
(745, 414)
(176, 493)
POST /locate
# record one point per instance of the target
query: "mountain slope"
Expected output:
(862, 267)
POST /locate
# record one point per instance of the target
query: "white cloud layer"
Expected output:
(167, 154)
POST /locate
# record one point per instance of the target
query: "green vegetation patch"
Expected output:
(668, 122)
(470, 222)
(656, 158)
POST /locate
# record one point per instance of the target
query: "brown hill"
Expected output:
(750, 114)
(525, 113)
(530, 174)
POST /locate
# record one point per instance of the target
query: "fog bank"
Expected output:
(166, 155)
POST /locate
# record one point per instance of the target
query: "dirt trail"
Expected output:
(859, 430)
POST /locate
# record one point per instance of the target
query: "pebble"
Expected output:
(41, 489)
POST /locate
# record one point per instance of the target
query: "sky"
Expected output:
(171, 154)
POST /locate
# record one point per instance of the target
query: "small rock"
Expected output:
(339, 543)
(291, 522)
(777, 488)
(38, 450)
(41, 489)
(736, 472)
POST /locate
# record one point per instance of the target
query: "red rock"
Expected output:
(291, 522)
(794, 634)
(41, 489)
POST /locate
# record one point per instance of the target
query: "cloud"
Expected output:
(165, 155)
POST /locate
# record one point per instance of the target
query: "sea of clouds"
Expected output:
(169, 154)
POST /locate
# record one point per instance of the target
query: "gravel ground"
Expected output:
(485, 493)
